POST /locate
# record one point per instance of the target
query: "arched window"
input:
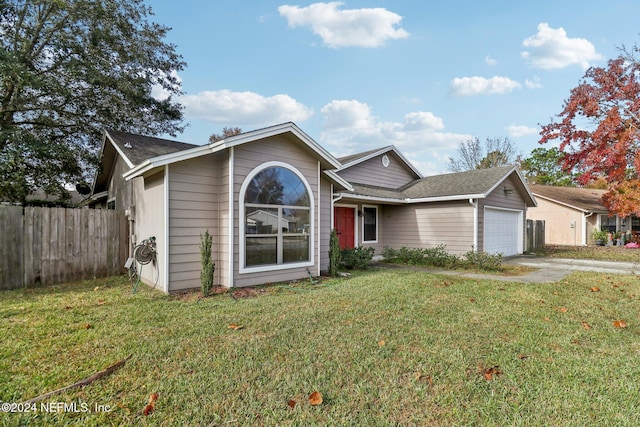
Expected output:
(277, 214)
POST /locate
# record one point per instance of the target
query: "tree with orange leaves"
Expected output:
(599, 131)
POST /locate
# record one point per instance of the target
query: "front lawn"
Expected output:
(385, 347)
(601, 253)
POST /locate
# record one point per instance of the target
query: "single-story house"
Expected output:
(571, 214)
(270, 198)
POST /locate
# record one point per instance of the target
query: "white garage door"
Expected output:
(502, 231)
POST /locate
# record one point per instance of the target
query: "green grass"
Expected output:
(385, 347)
(602, 253)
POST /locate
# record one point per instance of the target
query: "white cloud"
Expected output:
(349, 126)
(551, 48)
(160, 93)
(244, 108)
(517, 131)
(490, 61)
(367, 27)
(533, 84)
(468, 86)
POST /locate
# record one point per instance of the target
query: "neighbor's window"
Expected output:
(370, 224)
(277, 218)
(608, 223)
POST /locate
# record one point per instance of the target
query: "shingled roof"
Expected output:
(474, 182)
(353, 157)
(453, 186)
(586, 199)
(138, 148)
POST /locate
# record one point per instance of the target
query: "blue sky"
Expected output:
(421, 75)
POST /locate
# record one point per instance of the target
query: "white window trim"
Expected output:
(377, 224)
(243, 189)
(355, 220)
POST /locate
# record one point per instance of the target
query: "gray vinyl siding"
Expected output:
(427, 225)
(246, 158)
(223, 271)
(498, 199)
(118, 187)
(325, 224)
(193, 209)
(149, 221)
(372, 172)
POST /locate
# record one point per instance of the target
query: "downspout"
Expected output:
(166, 231)
(333, 201)
(584, 228)
(317, 227)
(474, 203)
(230, 190)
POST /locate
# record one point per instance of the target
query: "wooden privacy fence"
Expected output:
(54, 245)
(535, 235)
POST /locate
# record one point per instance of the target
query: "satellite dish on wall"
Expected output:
(83, 188)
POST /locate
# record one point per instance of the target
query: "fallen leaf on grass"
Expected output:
(151, 405)
(489, 373)
(100, 302)
(586, 325)
(472, 300)
(523, 356)
(235, 327)
(562, 309)
(620, 324)
(315, 398)
(595, 289)
(96, 288)
(381, 343)
(292, 403)
(88, 326)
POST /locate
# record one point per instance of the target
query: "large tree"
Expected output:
(69, 69)
(544, 166)
(472, 154)
(598, 130)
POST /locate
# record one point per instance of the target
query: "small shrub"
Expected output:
(389, 253)
(358, 258)
(484, 261)
(208, 266)
(439, 257)
(334, 253)
(436, 257)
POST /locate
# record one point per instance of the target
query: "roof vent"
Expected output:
(128, 145)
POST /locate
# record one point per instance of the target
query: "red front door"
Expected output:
(344, 219)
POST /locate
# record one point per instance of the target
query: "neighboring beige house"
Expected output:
(270, 198)
(571, 214)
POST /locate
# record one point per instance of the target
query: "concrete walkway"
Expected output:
(547, 269)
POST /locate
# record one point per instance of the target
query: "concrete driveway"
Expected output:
(546, 269)
(554, 269)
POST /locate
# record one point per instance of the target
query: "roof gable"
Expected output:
(454, 186)
(358, 158)
(470, 183)
(584, 199)
(324, 156)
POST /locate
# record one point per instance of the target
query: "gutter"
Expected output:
(584, 227)
(474, 203)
